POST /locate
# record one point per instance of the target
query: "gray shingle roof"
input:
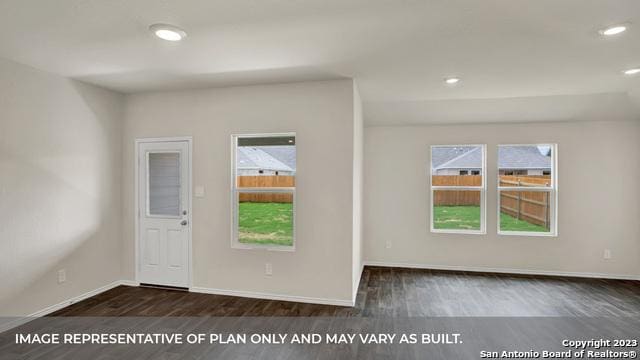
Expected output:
(284, 153)
(444, 154)
(522, 157)
(278, 158)
(509, 157)
(471, 159)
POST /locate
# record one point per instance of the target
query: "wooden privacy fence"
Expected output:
(456, 197)
(530, 206)
(266, 181)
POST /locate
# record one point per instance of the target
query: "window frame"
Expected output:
(235, 194)
(552, 190)
(482, 188)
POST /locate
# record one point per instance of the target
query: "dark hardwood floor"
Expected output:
(394, 292)
(390, 301)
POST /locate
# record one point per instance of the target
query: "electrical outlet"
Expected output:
(388, 245)
(607, 254)
(62, 276)
(268, 269)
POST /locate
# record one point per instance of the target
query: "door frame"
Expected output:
(189, 184)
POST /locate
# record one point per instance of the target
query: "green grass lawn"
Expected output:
(456, 217)
(509, 223)
(266, 223)
(468, 218)
(272, 223)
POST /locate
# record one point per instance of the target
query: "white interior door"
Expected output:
(164, 213)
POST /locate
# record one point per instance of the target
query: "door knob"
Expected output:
(184, 222)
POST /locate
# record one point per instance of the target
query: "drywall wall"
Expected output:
(358, 149)
(60, 176)
(598, 190)
(550, 108)
(322, 115)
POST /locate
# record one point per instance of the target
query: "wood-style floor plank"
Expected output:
(393, 292)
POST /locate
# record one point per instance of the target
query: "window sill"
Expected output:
(463, 232)
(238, 246)
(526, 233)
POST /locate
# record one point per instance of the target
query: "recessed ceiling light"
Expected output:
(613, 30)
(451, 80)
(632, 71)
(168, 32)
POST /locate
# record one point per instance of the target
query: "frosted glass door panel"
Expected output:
(164, 184)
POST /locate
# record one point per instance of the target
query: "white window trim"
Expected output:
(482, 188)
(553, 190)
(235, 191)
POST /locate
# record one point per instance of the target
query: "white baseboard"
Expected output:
(53, 308)
(129, 283)
(312, 300)
(269, 296)
(256, 295)
(503, 270)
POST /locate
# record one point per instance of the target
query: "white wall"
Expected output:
(60, 171)
(358, 150)
(322, 115)
(598, 204)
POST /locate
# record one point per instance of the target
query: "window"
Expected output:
(263, 191)
(457, 198)
(163, 184)
(527, 203)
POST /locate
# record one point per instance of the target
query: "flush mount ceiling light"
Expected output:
(451, 80)
(613, 30)
(632, 71)
(168, 32)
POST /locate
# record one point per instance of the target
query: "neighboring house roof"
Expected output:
(522, 157)
(260, 157)
(471, 159)
(444, 154)
(509, 157)
(284, 153)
